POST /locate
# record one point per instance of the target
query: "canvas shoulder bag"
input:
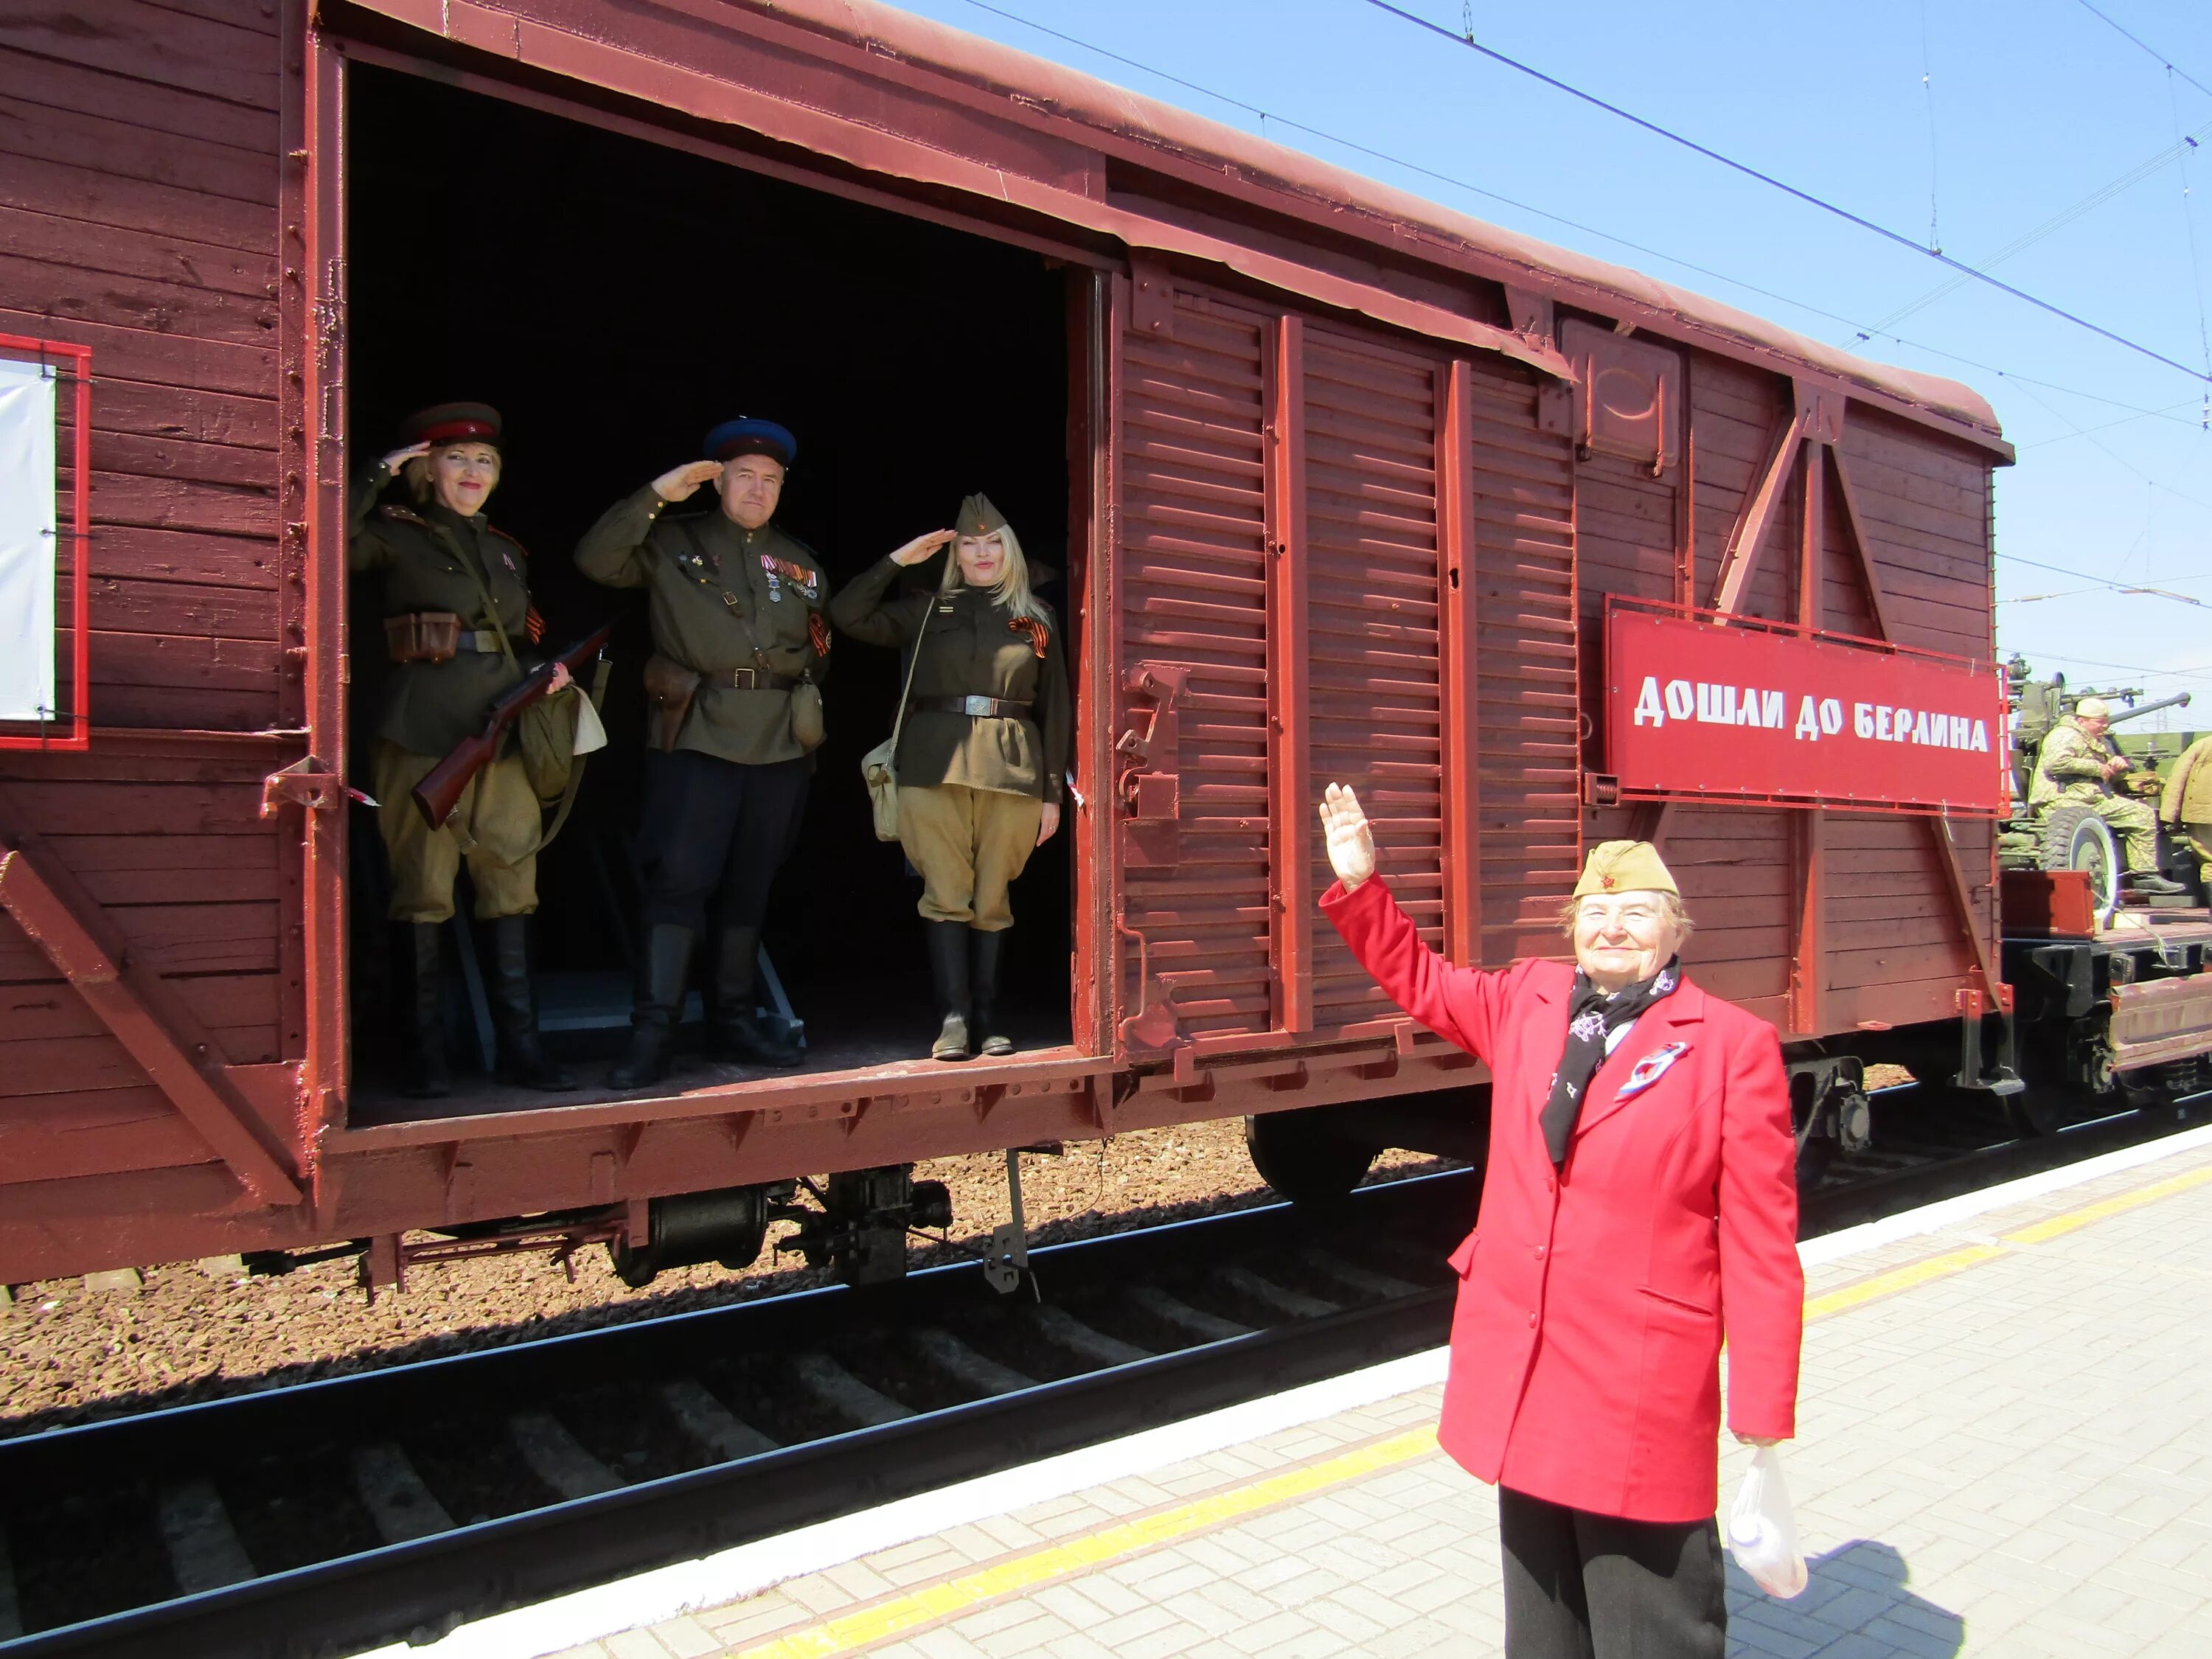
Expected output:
(879, 766)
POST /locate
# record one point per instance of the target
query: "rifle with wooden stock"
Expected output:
(439, 792)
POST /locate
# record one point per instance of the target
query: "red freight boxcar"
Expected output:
(1349, 482)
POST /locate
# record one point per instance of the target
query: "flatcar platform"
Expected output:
(2004, 1449)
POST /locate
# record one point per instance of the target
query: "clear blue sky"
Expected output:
(2028, 109)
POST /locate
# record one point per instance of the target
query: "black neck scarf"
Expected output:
(1592, 1017)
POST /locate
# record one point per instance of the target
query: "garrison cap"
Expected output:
(446, 423)
(747, 435)
(978, 517)
(2093, 708)
(1625, 866)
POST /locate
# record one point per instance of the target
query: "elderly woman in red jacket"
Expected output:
(1640, 1202)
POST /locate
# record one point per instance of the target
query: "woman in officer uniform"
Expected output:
(455, 597)
(983, 751)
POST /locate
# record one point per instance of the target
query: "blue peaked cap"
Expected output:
(747, 436)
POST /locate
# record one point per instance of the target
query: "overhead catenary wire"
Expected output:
(2164, 61)
(1807, 197)
(1864, 331)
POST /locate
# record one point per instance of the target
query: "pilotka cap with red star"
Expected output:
(1625, 866)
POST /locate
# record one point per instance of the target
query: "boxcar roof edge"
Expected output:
(1038, 85)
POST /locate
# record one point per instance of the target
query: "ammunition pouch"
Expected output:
(422, 636)
(670, 688)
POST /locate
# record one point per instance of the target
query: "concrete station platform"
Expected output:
(2005, 1448)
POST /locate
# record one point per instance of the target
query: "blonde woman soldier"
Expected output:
(983, 752)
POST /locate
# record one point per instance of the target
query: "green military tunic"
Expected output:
(722, 597)
(434, 559)
(971, 645)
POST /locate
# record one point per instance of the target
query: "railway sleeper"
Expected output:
(1276, 1298)
(964, 1365)
(1064, 1330)
(204, 1552)
(11, 1607)
(401, 1506)
(555, 1457)
(1382, 1287)
(838, 1390)
(710, 1424)
(1199, 1325)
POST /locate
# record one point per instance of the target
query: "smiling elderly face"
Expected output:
(1621, 938)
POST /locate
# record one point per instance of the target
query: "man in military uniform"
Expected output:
(738, 603)
(455, 598)
(2075, 766)
(2185, 807)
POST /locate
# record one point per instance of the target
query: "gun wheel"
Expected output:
(2075, 838)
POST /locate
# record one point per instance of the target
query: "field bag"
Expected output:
(879, 766)
(1762, 1535)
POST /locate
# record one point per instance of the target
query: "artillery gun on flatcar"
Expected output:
(2069, 835)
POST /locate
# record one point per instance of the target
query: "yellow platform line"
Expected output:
(849, 1632)
(855, 1630)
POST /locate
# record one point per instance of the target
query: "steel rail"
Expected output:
(418, 1589)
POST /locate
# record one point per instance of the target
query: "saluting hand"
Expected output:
(1351, 843)
(922, 547)
(682, 483)
(1050, 822)
(399, 458)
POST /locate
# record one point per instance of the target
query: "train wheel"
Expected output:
(1814, 1154)
(1298, 1155)
(2075, 838)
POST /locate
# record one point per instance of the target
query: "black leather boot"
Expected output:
(423, 1004)
(738, 1033)
(948, 974)
(521, 1054)
(2149, 881)
(660, 1007)
(991, 1042)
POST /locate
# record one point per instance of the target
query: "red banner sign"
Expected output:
(1699, 707)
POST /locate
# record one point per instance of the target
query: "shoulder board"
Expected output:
(509, 540)
(404, 516)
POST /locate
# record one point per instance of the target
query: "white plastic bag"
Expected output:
(1762, 1535)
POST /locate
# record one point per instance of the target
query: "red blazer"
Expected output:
(1586, 1342)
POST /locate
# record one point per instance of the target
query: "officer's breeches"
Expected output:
(715, 830)
(969, 844)
(495, 828)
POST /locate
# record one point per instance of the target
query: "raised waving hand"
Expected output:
(1351, 843)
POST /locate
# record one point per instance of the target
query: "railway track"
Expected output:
(337, 1516)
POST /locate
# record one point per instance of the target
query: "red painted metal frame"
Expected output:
(1458, 604)
(79, 738)
(1289, 875)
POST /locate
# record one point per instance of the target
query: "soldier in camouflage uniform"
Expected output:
(737, 602)
(455, 596)
(2075, 766)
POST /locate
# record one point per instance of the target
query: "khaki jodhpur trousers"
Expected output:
(969, 844)
(495, 828)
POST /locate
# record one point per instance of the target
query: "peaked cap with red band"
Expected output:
(446, 423)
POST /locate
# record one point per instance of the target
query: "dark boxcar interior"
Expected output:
(615, 298)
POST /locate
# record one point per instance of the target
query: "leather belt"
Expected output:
(747, 679)
(980, 707)
(477, 639)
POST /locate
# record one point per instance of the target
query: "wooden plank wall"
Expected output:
(1894, 948)
(1522, 503)
(139, 201)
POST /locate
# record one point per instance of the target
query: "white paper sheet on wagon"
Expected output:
(27, 540)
